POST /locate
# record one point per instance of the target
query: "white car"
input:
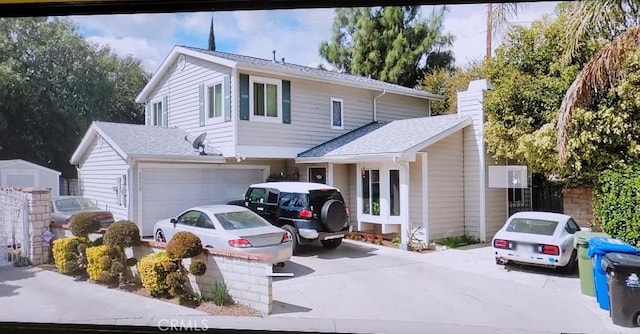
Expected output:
(230, 227)
(538, 238)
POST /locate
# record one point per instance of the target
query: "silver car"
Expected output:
(230, 227)
(65, 207)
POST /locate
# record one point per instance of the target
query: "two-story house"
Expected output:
(396, 165)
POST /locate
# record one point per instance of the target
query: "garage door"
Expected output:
(165, 192)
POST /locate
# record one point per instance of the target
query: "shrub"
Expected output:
(153, 274)
(85, 223)
(184, 245)
(170, 265)
(123, 234)
(197, 267)
(220, 293)
(98, 261)
(616, 197)
(66, 255)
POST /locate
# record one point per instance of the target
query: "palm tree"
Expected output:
(498, 16)
(618, 22)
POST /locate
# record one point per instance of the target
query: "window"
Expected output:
(318, 175)
(189, 218)
(336, 113)
(214, 100)
(572, 227)
(204, 222)
(394, 192)
(371, 192)
(266, 98)
(156, 116)
(240, 220)
(532, 226)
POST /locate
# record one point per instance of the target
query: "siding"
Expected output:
(46, 178)
(416, 200)
(392, 107)
(446, 187)
(98, 177)
(343, 180)
(182, 89)
(351, 196)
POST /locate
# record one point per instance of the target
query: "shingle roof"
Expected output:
(393, 137)
(137, 139)
(278, 65)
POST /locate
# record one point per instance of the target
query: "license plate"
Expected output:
(334, 236)
(527, 249)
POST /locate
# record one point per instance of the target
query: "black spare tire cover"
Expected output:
(333, 215)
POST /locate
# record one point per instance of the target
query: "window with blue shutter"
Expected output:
(201, 103)
(227, 98)
(165, 112)
(286, 101)
(244, 97)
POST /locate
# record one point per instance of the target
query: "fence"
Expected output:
(14, 225)
(69, 187)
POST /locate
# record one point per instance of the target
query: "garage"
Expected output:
(22, 173)
(165, 191)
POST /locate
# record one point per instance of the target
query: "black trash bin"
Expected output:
(623, 272)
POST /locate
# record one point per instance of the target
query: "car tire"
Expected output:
(333, 215)
(294, 237)
(331, 243)
(572, 266)
(159, 236)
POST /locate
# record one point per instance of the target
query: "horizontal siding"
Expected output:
(98, 177)
(416, 199)
(390, 107)
(446, 187)
(46, 178)
(182, 89)
(342, 179)
(468, 106)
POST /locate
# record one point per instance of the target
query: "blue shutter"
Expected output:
(201, 103)
(227, 97)
(165, 111)
(244, 97)
(286, 101)
(147, 113)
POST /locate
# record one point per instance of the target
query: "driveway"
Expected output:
(455, 287)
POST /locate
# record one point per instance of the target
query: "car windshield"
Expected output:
(240, 220)
(532, 226)
(75, 204)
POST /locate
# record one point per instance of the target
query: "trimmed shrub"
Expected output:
(153, 274)
(123, 233)
(85, 223)
(170, 266)
(98, 263)
(66, 255)
(184, 245)
(176, 281)
(615, 202)
(197, 267)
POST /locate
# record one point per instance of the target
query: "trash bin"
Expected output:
(598, 247)
(623, 272)
(585, 265)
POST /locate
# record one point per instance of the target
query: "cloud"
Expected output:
(152, 54)
(147, 26)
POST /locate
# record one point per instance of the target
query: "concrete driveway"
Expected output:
(466, 288)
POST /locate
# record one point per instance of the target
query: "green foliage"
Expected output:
(22, 261)
(84, 223)
(197, 267)
(103, 265)
(153, 274)
(220, 293)
(455, 242)
(68, 254)
(122, 234)
(184, 245)
(388, 43)
(615, 202)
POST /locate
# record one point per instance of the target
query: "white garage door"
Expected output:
(165, 192)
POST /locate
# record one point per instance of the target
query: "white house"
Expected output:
(396, 165)
(22, 173)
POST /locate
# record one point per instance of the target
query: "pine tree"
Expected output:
(212, 38)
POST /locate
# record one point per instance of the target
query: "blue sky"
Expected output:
(294, 34)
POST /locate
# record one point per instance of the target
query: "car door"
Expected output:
(264, 202)
(207, 232)
(186, 222)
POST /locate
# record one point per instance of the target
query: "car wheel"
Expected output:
(294, 237)
(333, 215)
(160, 236)
(638, 319)
(572, 266)
(331, 243)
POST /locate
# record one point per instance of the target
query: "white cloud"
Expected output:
(152, 54)
(250, 21)
(147, 26)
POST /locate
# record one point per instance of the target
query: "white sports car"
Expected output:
(538, 238)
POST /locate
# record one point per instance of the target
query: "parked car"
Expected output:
(229, 227)
(538, 238)
(63, 208)
(309, 211)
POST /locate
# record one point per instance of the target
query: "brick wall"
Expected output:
(39, 204)
(578, 204)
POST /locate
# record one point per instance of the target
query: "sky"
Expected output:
(294, 34)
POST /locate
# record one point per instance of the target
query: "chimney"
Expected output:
(274, 55)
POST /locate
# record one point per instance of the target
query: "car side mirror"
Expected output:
(174, 222)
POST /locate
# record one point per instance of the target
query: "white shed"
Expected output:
(21, 173)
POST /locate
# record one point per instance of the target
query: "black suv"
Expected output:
(309, 211)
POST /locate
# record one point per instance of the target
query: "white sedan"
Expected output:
(538, 238)
(230, 227)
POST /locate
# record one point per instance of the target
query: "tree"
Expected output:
(497, 17)
(212, 38)
(53, 84)
(391, 44)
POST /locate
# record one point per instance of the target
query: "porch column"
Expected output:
(358, 208)
(330, 174)
(404, 204)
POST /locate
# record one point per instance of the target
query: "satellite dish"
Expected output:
(198, 143)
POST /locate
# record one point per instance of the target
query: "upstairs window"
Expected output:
(214, 100)
(266, 99)
(336, 113)
(157, 112)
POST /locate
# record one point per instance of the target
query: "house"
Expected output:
(22, 173)
(396, 165)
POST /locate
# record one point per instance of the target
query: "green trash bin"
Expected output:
(585, 264)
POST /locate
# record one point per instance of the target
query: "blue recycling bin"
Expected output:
(598, 248)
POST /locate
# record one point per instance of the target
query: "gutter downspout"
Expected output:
(375, 105)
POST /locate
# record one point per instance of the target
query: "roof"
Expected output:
(143, 142)
(268, 65)
(7, 163)
(297, 187)
(399, 139)
(541, 215)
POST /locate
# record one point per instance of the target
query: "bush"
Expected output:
(98, 262)
(615, 202)
(153, 274)
(85, 223)
(197, 267)
(66, 255)
(220, 293)
(184, 245)
(123, 234)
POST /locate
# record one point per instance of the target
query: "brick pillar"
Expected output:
(39, 218)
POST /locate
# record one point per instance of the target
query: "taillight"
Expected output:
(240, 243)
(500, 243)
(286, 237)
(550, 249)
(305, 213)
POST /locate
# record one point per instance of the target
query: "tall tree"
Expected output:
(391, 44)
(212, 38)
